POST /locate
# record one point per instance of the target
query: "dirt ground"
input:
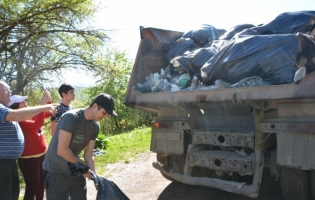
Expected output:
(137, 179)
(140, 181)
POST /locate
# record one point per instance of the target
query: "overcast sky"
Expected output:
(126, 16)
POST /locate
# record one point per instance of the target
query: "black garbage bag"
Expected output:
(204, 35)
(194, 60)
(274, 58)
(236, 29)
(77, 169)
(290, 22)
(247, 32)
(106, 189)
(178, 47)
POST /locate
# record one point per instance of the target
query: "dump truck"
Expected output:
(225, 138)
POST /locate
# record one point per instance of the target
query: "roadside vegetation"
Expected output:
(40, 40)
(124, 148)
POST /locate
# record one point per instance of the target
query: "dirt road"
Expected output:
(140, 181)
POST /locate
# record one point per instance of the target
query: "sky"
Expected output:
(124, 17)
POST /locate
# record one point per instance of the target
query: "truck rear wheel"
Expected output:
(295, 184)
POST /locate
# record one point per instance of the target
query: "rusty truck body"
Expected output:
(224, 138)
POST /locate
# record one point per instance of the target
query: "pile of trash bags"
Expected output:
(280, 52)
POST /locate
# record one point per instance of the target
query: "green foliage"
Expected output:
(101, 142)
(38, 38)
(124, 147)
(113, 80)
(35, 92)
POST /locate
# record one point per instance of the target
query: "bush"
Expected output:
(101, 142)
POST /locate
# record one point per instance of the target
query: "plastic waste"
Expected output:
(194, 83)
(290, 22)
(274, 58)
(194, 60)
(97, 152)
(183, 80)
(251, 82)
(151, 84)
(299, 74)
(178, 47)
(204, 35)
(178, 66)
(106, 189)
(221, 84)
(77, 169)
(174, 88)
(236, 29)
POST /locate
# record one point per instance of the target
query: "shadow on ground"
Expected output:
(270, 189)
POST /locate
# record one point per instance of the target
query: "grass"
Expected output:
(124, 147)
(121, 147)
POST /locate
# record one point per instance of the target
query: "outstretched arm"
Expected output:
(29, 112)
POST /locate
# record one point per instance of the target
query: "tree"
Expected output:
(113, 79)
(41, 37)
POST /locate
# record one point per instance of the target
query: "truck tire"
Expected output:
(295, 184)
(312, 180)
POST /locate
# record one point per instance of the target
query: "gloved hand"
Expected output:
(77, 169)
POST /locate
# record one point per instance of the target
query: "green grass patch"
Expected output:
(124, 147)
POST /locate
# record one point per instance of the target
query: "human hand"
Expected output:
(50, 108)
(45, 98)
(87, 175)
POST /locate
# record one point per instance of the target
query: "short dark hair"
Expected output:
(15, 105)
(65, 88)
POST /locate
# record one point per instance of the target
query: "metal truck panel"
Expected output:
(229, 186)
(221, 115)
(226, 139)
(296, 150)
(223, 161)
(167, 142)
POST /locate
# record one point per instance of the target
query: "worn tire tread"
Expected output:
(295, 184)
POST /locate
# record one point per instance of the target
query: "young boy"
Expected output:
(67, 94)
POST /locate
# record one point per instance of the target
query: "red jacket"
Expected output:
(35, 142)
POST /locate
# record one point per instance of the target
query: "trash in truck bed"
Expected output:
(243, 57)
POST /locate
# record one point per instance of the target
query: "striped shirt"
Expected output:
(11, 136)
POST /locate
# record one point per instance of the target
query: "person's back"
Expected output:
(67, 93)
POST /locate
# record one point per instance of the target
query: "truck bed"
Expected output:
(151, 59)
